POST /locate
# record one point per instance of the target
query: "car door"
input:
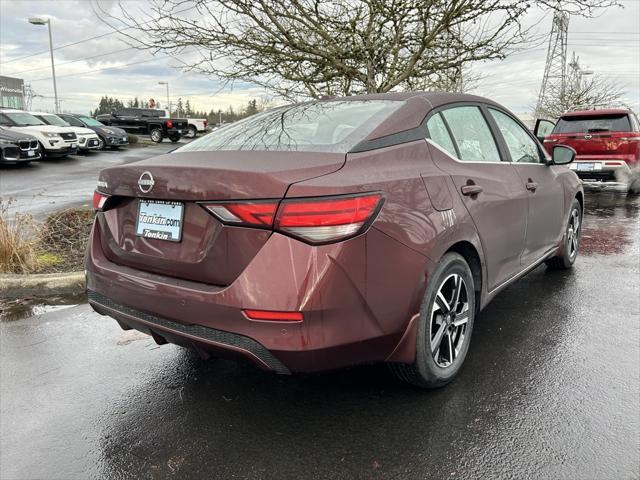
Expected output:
(540, 181)
(489, 188)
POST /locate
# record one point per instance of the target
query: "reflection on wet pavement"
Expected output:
(610, 222)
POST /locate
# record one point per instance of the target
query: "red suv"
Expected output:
(330, 233)
(607, 142)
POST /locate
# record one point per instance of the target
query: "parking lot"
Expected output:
(53, 184)
(549, 390)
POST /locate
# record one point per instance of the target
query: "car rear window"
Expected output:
(335, 126)
(593, 124)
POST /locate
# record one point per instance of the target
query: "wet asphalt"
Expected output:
(550, 389)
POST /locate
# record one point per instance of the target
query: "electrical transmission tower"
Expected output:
(554, 81)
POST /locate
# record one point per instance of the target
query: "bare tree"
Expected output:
(311, 48)
(583, 91)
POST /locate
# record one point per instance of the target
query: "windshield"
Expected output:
(335, 126)
(53, 120)
(92, 122)
(23, 119)
(593, 124)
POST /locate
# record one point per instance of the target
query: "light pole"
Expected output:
(47, 22)
(168, 102)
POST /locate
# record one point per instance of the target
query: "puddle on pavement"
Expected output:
(18, 309)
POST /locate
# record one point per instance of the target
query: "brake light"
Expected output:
(205, 123)
(273, 316)
(320, 220)
(169, 124)
(254, 214)
(99, 199)
(314, 220)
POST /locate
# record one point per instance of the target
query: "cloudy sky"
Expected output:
(608, 45)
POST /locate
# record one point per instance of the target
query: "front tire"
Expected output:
(445, 326)
(572, 236)
(156, 135)
(101, 143)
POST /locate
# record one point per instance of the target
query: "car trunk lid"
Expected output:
(208, 251)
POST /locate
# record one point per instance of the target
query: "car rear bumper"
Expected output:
(600, 169)
(347, 317)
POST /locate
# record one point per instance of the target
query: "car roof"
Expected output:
(413, 112)
(13, 110)
(42, 113)
(596, 113)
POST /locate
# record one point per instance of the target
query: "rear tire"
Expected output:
(156, 135)
(572, 235)
(174, 139)
(445, 325)
(192, 132)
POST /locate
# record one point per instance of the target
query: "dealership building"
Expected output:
(12, 92)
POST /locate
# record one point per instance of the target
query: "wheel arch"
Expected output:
(472, 257)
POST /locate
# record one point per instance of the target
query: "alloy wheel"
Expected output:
(449, 318)
(573, 233)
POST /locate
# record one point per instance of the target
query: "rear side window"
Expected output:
(522, 148)
(472, 134)
(593, 124)
(335, 126)
(439, 134)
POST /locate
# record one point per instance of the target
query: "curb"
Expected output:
(45, 284)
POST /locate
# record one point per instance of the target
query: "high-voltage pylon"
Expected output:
(554, 81)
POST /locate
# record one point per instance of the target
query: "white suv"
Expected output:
(54, 141)
(87, 138)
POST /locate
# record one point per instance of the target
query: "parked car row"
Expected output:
(29, 136)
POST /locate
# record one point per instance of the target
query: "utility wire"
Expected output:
(72, 61)
(92, 38)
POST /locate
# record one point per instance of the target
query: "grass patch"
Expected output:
(57, 245)
(17, 243)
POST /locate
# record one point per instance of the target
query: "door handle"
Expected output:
(531, 185)
(471, 190)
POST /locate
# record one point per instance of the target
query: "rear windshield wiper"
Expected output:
(593, 130)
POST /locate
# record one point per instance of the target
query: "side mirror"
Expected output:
(543, 129)
(562, 155)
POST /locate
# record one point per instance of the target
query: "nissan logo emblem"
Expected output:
(145, 182)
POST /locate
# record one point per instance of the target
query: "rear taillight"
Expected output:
(169, 124)
(319, 220)
(99, 199)
(205, 123)
(314, 220)
(250, 214)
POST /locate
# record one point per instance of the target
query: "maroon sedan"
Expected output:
(336, 232)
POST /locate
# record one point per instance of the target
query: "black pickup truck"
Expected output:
(147, 121)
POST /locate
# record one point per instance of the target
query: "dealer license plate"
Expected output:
(584, 167)
(30, 153)
(160, 219)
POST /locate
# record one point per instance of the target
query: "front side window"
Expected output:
(439, 134)
(472, 134)
(335, 126)
(522, 148)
